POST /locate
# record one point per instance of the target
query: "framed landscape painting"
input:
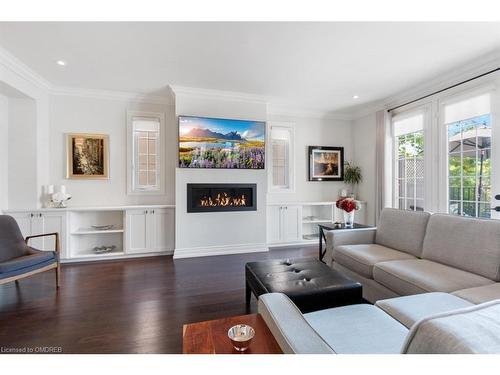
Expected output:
(326, 163)
(87, 156)
(221, 143)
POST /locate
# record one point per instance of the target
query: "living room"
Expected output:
(248, 187)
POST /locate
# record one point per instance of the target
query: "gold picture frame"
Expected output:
(87, 156)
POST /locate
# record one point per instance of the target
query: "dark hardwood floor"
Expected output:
(129, 306)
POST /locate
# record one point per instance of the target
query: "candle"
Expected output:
(49, 189)
(62, 189)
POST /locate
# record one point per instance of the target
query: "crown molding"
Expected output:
(465, 71)
(112, 95)
(293, 111)
(218, 94)
(22, 70)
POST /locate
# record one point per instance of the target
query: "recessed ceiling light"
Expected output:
(355, 97)
(61, 62)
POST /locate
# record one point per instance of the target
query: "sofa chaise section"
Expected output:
(430, 323)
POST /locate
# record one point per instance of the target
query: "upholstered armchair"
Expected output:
(18, 260)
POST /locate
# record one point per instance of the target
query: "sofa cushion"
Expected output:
(26, 261)
(362, 258)
(402, 230)
(358, 329)
(467, 243)
(480, 294)
(474, 329)
(415, 276)
(410, 309)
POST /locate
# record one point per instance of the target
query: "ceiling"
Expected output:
(318, 66)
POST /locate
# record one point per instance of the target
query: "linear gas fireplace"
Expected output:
(221, 197)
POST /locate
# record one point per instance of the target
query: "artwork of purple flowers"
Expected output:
(220, 143)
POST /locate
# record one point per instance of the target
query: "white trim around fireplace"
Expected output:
(219, 250)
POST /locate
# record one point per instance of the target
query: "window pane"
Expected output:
(455, 208)
(143, 178)
(152, 178)
(469, 166)
(280, 157)
(410, 170)
(484, 189)
(143, 145)
(152, 146)
(454, 185)
(143, 162)
(484, 210)
(410, 188)
(469, 209)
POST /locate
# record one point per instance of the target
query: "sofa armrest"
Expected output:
(335, 238)
(289, 327)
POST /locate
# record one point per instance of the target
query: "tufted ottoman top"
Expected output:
(309, 283)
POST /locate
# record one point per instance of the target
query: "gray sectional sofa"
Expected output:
(429, 323)
(416, 252)
(433, 281)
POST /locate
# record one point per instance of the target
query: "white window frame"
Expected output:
(454, 97)
(131, 154)
(426, 110)
(290, 127)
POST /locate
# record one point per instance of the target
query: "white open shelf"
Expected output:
(314, 214)
(316, 221)
(83, 237)
(97, 231)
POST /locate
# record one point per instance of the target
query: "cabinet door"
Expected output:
(37, 228)
(137, 232)
(274, 224)
(292, 222)
(161, 230)
(54, 222)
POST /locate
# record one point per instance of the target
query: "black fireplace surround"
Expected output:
(221, 197)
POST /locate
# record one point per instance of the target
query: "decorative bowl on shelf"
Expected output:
(104, 249)
(103, 227)
(241, 336)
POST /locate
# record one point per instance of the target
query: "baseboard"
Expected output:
(191, 252)
(293, 244)
(118, 257)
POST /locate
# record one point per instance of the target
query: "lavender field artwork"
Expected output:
(221, 143)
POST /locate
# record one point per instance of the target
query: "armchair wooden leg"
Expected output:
(58, 275)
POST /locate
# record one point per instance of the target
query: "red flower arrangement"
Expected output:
(347, 204)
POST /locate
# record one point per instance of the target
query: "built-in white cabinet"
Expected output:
(149, 230)
(284, 223)
(39, 222)
(297, 222)
(127, 231)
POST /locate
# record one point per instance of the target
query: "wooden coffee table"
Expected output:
(210, 337)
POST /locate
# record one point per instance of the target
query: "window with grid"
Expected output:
(146, 153)
(468, 126)
(408, 133)
(281, 139)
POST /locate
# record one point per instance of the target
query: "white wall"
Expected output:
(22, 149)
(4, 152)
(219, 232)
(364, 136)
(314, 132)
(75, 114)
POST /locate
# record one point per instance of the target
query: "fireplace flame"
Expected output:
(223, 200)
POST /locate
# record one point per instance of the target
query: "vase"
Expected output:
(349, 219)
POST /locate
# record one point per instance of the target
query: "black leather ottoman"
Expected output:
(309, 283)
